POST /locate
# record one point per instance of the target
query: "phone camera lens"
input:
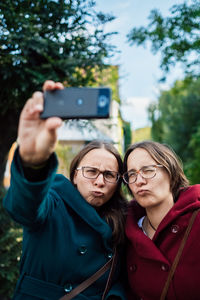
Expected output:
(103, 101)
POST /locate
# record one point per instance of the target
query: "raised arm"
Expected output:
(36, 137)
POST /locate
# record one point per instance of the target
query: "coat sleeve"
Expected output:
(24, 197)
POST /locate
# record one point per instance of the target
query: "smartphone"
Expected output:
(77, 103)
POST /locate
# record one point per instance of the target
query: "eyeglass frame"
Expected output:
(99, 172)
(139, 172)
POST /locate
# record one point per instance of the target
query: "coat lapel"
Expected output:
(143, 245)
(73, 198)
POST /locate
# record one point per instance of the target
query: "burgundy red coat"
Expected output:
(149, 261)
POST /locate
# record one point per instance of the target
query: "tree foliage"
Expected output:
(193, 164)
(48, 39)
(175, 121)
(176, 36)
(45, 39)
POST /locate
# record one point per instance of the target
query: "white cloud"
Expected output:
(134, 110)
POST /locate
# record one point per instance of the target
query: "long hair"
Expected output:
(165, 156)
(114, 211)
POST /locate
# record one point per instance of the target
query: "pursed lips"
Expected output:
(97, 194)
(142, 192)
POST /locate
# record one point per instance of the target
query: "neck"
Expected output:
(157, 213)
(151, 224)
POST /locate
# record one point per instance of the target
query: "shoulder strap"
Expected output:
(86, 283)
(110, 276)
(178, 255)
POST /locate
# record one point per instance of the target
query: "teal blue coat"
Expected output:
(65, 241)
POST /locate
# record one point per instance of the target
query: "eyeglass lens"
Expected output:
(145, 172)
(93, 173)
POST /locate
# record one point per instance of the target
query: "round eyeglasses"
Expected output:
(93, 173)
(146, 172)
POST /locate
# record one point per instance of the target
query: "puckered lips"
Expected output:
(97, 193)
(142, 192)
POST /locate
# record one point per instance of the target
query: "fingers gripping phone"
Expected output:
(77, 103)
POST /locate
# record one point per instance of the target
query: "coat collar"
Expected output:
(73, 198)
(142, 244)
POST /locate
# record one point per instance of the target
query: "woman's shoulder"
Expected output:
(135, 209)
(193, 190)
(61, 182)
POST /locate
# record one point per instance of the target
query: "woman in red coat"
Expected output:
(157, 220)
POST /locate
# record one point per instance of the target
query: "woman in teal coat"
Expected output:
(70, 228)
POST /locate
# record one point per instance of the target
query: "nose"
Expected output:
(100, 180)
(140, 179)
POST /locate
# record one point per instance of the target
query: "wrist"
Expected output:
(32, 161)
(34, 166)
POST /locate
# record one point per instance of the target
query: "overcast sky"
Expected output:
(139, 68)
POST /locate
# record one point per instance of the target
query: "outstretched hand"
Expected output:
(37, 137)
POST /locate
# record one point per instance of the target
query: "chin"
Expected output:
(97, 204)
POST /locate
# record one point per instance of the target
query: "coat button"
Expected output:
(164, 268)
(82, 250)
(68, 287)
(174, 228)
(109, 255)
(133, 268)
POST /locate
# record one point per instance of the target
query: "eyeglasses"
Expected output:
(93, 173)
(146, 172)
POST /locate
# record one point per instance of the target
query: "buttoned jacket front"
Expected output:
(65, 240)
(149, 261)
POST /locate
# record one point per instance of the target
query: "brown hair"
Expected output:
(114, 211)
(165, 156)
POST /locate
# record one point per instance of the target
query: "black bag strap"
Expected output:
(86, 283)
(178, 255)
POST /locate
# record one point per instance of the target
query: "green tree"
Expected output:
(45, 39)
(176, 36)
(192, 167)
(175, 121)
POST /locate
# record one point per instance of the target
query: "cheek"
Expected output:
(131, 188)
(164, 183)
(80, 182)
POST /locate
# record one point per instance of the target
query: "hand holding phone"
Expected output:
(36, 138)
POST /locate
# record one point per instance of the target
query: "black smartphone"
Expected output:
(77, 103)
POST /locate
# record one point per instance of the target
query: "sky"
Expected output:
(138, 68)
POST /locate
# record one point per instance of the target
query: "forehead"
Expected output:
(100, 158)
(139, 158)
